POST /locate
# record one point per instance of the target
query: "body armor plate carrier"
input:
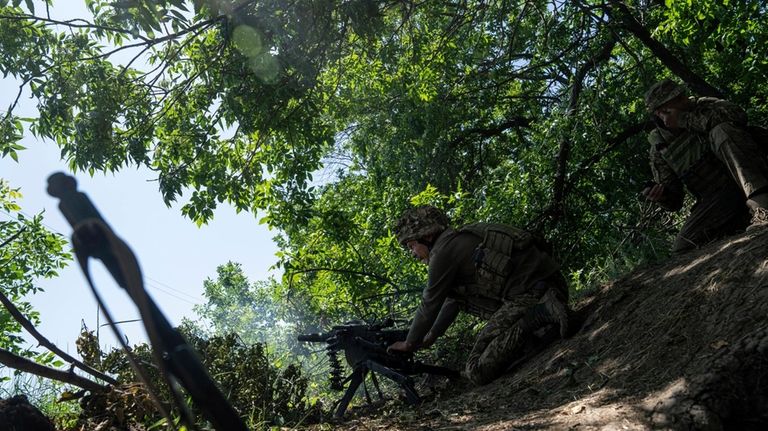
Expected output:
(493, 258)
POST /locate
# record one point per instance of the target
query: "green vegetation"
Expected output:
(263, 391)
(331, 117)
(27, 251)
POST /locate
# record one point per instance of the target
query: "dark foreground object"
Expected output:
(93, 238)
(17, 414)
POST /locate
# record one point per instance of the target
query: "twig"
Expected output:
(72, 24)
(346, 271)
(29, 327)
(14, 236)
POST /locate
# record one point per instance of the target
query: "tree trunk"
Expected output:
(556, 208)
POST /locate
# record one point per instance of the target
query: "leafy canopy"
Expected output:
(331, 117)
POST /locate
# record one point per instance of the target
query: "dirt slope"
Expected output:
(677, 345)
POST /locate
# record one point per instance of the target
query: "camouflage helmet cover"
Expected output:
(661, 93)
(419, 222)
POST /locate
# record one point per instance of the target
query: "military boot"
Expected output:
(549, 310)
(558, 310)
(759, 206)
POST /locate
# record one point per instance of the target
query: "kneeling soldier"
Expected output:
(705, 145)
(494, 271)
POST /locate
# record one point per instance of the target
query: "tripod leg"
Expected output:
(375, 381)
(405, 382)
(354, 382)
(365, 388)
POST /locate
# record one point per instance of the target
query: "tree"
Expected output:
(527, 112)
(27, 251)
(235, 305)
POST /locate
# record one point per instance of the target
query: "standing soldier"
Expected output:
(704, 144)
(494, 271)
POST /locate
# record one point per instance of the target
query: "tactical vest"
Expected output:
(684, 151)
(493, 258)
(689, 155)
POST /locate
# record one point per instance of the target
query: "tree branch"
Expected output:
(619, 139)
(492, 130)
(14, 236)
(621, 14)
(561, 172)
(73, 23)
(16, 362)
(29, 327)
(347, 271)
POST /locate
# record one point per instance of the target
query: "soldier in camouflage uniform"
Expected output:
(496, 272)
(703, 144)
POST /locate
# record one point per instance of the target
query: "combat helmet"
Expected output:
(419, 222)
(661, 93)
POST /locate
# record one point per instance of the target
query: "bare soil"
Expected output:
(679, 345)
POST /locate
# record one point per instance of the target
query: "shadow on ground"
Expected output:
(681, 345)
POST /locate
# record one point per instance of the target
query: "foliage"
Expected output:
(330, 118)
(235, 305)
(344, 264)
(260, 389)
(27, 251)
(722, 40)
(243, 102)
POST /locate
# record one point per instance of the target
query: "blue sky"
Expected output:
(175, 255)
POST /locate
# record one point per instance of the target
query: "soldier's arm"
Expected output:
(442, 273)
(445, 318)
(674, 193)
(711, 112)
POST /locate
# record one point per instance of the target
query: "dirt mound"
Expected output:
(678, 345)
(16, 413)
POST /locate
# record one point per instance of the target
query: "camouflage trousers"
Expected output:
(741, 154)
(743, 172)
(719, 214)
(500, 342)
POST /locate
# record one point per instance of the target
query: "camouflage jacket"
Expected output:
(685, 157)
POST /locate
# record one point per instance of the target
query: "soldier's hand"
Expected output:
(428, 341)
(402, 347)
(654, 193)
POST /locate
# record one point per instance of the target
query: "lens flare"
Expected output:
(247, 40)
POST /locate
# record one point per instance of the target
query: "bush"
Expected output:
(260, 390)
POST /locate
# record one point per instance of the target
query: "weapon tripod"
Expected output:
(365, 349)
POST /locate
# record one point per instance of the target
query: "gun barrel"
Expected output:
(317, 337)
